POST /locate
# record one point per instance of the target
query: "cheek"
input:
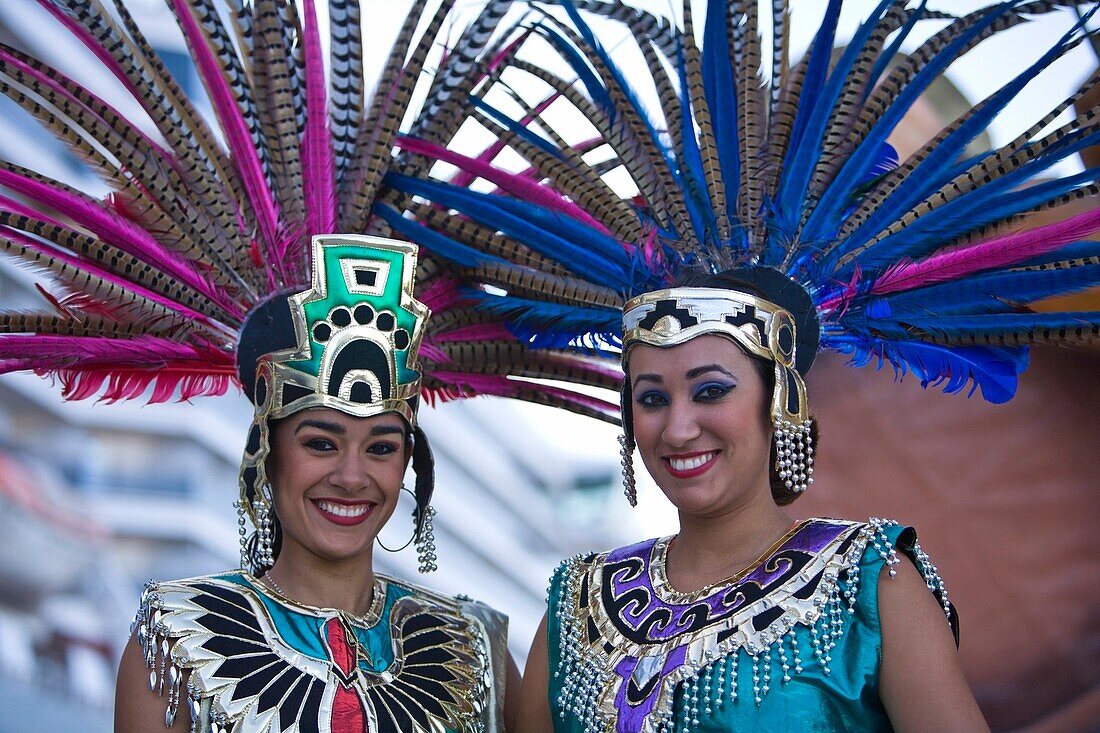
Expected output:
(646, 427)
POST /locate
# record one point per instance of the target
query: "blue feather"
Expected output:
(513, 126)
(794, 180)
(579, 64)
(438, 244)
(589, 254)
(553, 325)
(1076, 251)
(825, 218)
(586, 33)
(720, 90)
(937, 169)
(970, 212)
(994, 370)
(692, 180)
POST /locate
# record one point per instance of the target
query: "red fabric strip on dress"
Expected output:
(347, 710)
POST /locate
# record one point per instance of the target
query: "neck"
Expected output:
(348, 586)
(714, 547)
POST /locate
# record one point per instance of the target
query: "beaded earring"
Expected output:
(794, 455)
(425, 543)
(627, 460)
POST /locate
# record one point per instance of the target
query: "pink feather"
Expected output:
(80, 264)
(510, 182)
(128, 366)
(441, 293)
(236, 130)
(109, 227)
(433, 353)
(1003, 251)
(318, 161)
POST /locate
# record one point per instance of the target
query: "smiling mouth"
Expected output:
(687, 466)
(343, 514)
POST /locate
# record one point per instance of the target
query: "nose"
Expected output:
(681, 425)
(349, 472)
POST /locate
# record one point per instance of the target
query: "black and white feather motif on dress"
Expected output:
(247, 659)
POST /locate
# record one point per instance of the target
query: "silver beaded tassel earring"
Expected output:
(265, 541)
(425, 543)
(243, 534)
(627, 453)
(794, 454)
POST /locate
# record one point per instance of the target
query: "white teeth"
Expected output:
(687, 464)
(344, 511)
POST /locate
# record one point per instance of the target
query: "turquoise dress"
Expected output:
(792, 643)
(245, 659)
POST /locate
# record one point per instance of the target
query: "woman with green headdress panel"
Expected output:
(215, 260)
(307, 634)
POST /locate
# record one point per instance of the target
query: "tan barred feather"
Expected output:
(838, 142)
(892, 180)
(85, 324)
(525, 282)
(124, 303)
(708, 149)
(114, 260)
(278, 103)
(391, 100)
(476, 235)
(574, 178)
(639, 153)
(1001, 163)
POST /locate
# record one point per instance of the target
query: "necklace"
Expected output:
(368, 618)
(271, 581)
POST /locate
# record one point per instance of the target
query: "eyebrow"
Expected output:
(657, 378)
(337, 429)
(689, 374)
(329, 427)
(700, 370)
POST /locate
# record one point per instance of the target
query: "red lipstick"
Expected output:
(695, 470)
(347, 513)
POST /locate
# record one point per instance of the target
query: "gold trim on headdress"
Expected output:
(673, 316)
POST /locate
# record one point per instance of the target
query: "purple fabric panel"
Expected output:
(631, 718)
(674, 619)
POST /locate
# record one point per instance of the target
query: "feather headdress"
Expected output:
(929, 263)
(145, 291)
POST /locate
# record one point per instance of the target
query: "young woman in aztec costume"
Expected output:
(217, 258)
(824, 240)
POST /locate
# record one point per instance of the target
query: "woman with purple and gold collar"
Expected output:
(745, 619)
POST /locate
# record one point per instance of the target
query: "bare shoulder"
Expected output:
(921, 684)
(534, 708)
(137, 708)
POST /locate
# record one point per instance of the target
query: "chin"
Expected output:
(692, 499)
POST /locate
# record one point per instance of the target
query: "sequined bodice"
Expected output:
(794, 638)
